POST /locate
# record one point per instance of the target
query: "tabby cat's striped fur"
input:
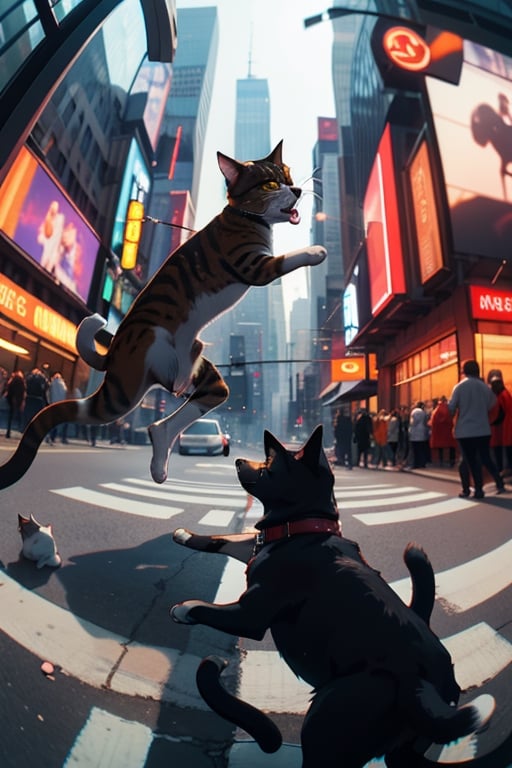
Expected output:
(157, 341)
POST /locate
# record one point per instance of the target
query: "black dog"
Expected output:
(383, 682)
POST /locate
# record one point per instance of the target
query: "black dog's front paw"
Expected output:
(181, 536)
(180, 613)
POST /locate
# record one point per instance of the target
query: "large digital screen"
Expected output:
(382, 227)
(473, 124)
(36, 215)
(153, 79)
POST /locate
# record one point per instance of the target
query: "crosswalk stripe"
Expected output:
(479, 653)
(381, 490)
(195, 488)
(88, 496)
(217, 517)
(469, 584)
(107, 740)
(414, 513)
(397, 499)
(180, 498)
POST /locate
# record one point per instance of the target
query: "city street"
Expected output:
(124, 673)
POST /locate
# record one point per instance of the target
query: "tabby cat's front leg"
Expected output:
(306, 257)
(210, 390)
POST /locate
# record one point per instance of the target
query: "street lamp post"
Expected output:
(337, 13)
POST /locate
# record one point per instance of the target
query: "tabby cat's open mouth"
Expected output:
(294, 215)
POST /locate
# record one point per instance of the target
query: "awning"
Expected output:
(345, 391)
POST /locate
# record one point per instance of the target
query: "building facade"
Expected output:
(81, 108)
(425, 199)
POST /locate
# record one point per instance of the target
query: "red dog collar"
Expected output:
(307, 525)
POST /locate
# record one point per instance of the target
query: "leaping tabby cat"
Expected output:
(157, 342)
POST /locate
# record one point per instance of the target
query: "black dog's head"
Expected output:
(290, 484)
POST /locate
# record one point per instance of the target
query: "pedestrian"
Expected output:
(343, 438)
(471, 402)
(37, 393)
(363, 435)
(441, 432)
(418, 435)
(394, 430)
(58, 391)
(403, 443)
(380, 438)
(501, 424)
(15, 394)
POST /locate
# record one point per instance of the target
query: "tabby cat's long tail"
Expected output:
(44, 421)
(252, 720)
(85, 335)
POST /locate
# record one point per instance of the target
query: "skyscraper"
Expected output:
(252, 120)
(180, 149)
(259, 317)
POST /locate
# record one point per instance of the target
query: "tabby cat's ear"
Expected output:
(230, 168)
(276, 156)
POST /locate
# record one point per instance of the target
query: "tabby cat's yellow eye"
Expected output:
(270, 185)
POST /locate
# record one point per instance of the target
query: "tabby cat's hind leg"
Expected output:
(210, 390)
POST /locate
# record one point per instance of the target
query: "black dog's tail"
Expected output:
(423, 581)
(252, 720)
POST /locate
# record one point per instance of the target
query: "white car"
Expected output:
(204, 436)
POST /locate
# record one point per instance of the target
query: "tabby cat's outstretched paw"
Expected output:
(161, 452)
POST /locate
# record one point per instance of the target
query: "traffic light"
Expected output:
(132, 234)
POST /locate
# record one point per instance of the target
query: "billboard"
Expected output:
(37, 215)
(428, 236)
(473, 124)
(382, 227)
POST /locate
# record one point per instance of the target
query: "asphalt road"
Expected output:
(124, 672)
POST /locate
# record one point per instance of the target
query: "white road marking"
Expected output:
(445, 507)
(93, 654)
(180, 498)
(217, 517)
(397, 499)
(469, 584)
(88, 496)
(380, 490)
(479, 654)
(107, 740)
(188, 487)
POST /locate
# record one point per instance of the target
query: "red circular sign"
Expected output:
(406, 49)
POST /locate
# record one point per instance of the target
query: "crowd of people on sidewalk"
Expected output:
(27, 394)
(470, 430)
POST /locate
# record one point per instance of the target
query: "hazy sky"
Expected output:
(297, 64)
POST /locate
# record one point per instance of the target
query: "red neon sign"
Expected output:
(383, 237)
(406, 49)
(490, 304)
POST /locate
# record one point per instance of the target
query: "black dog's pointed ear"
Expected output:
(269, 441)
(312, 450)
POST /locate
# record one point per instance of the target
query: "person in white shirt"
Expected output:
(470, 402)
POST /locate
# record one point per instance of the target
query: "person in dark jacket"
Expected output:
(363, 430)
(343, 438)
(15, 393)
(37, 393)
